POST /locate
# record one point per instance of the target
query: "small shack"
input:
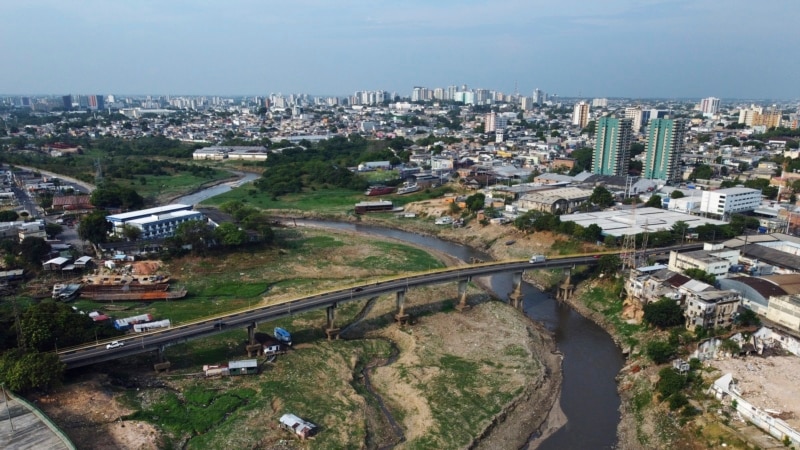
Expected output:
(243, 367)
(300, 427)
(56, 263)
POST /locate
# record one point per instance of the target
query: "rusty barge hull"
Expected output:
(131, 292)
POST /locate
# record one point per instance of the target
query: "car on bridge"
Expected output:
(114, 344)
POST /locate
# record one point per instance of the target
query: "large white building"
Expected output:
(714, 259)
(709, 106)
(723, 202)
(154, 223)
(580, 115)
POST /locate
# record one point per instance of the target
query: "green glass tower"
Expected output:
(665, 143)
(611, 150)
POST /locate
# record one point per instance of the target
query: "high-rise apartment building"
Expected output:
(771, 118)
(67, 101)
(611, 150)
(665, 144)
(600, 103)
(635, 113)
(580, 115)
(709, 106)
(490, 122)
(538, 96)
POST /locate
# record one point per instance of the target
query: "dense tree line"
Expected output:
(146, 146)
(324, 163)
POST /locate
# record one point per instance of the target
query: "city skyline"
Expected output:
(621, 48)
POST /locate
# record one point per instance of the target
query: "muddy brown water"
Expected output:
(591, 362)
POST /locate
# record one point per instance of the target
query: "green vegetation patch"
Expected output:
(605, 299)
(457, 402)
(315, 200)
(399, 258)
(196, 411)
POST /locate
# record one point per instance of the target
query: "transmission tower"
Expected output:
(642, 259)
(628, 254)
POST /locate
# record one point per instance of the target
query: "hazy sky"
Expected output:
(590, 48)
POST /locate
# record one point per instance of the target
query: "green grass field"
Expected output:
(317, 200)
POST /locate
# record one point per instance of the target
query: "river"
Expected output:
(199, 196)
(592, 360)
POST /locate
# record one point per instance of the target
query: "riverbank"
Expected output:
(536, 410)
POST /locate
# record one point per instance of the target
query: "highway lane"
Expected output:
(146, 342)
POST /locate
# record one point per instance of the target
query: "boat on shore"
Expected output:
(408, 188)
(119, 295)
(378, 190)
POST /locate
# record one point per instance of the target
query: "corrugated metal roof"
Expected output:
(789, 282)
(243, 364)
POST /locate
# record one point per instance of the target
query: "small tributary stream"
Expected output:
(591, 362)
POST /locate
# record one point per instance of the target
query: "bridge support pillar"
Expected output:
(462, 294)
(515, 297)
(566, 289)
(251, 334)
(331, 331)
(401, 316)
(162, 363)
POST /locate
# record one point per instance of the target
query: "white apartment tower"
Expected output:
(709, 106)
(635, 114)
(580, 115)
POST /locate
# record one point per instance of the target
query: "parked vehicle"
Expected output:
(537, 259)
(444, 220)
(283, 336)
(114, 344)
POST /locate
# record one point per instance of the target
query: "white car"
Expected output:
(114, 344)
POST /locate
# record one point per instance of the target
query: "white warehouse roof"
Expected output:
(621, 223)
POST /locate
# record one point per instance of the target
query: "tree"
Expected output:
(8, 215)
(601, 197)
(53, 229)
(24, 371)
(730, 140)
(230, 235)
(195, 234)
(94, 227)
(583, 159)
(700, 275)
(593, 233)
(608, 264)
(748, 318)
(664, 313)
(660, 351)
(702, 172)
(654, 201)
(679, 229)
(636, 149)
(33, 250)
(475, 202)
(669, 382)
(130, 232)
(676, 194)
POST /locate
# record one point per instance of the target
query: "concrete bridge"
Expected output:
(249, 318)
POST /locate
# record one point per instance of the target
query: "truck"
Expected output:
(537, 259)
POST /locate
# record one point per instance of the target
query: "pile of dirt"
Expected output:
(146, 267)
